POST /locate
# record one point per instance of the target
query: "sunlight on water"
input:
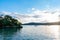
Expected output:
(54, 29)
(31, 32)
(50, 31)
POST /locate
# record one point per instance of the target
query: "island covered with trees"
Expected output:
(8, 21)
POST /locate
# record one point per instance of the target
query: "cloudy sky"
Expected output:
(31, 10)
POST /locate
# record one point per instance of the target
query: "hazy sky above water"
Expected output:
(32, 10)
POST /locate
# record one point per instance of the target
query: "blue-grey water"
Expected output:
(31, 32)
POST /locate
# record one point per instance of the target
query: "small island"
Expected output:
(47, 23)
(8, 21)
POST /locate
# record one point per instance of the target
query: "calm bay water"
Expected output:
(31, 32)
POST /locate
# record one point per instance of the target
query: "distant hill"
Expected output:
(33, 23)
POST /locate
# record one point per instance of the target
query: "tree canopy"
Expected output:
(9, 21)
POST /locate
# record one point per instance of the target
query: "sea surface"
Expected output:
(31, 32)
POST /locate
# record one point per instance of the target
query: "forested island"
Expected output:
(49, 23)
(8, 21)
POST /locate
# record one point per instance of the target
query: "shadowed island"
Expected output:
(49, 23)
(9, 22)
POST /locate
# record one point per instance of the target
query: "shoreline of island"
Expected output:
(9, 22)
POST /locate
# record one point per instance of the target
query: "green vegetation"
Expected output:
(8, 21)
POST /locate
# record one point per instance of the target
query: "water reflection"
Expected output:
(31, 32)
(8, 33)
(42, 32)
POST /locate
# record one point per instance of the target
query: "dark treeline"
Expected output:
(49, 23)
(8, 21)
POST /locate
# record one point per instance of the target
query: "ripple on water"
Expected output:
(40, 32)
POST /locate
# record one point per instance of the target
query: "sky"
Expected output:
(24, 5)
(31, 10)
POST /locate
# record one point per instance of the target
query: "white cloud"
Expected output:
(42, 16)
(33, 8)
(36, 16)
